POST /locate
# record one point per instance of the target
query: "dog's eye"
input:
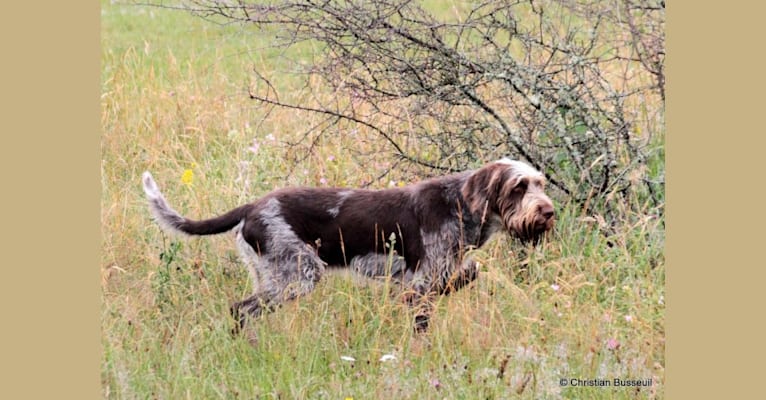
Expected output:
(523, 184)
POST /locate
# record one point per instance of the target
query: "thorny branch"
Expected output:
(573, 87)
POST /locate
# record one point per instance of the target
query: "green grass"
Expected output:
(174, 99)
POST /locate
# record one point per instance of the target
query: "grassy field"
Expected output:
(174, 102)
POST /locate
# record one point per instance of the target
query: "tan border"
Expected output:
(50, 296)
(50, 166)
(715, 238)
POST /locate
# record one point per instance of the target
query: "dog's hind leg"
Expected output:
(279, 278)
(252, 307)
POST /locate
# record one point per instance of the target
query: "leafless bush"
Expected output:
(570, 86)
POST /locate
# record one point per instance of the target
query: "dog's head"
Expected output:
(515, 192)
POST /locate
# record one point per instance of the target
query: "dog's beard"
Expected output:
(529, 227)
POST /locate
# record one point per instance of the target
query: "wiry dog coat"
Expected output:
(288, 237)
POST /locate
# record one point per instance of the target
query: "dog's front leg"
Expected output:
(428, 283)
(423, 302)
(419, 297)
(461, 277)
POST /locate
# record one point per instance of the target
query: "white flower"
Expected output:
(555, 287)
(387, 357)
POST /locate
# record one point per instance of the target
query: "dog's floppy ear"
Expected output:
(482, 189)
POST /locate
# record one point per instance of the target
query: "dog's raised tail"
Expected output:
(169, 219)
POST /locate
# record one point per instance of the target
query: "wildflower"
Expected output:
(387, 357)
(629, 318)
(323, 181)
(435, 383)
(187, 177)
(331, 158)
(555, 287)
(271, 137)
(254, 148)
(612, 344)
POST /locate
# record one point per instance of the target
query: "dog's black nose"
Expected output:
(547, 211)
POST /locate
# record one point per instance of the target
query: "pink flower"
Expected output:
(435, 383)
(629, 318)
(555, 287)
(612, 344)
(254, 148)
(331, 158)
(323, 181)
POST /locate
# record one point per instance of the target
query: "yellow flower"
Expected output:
(187, 177)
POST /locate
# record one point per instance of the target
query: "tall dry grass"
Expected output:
(174, 102)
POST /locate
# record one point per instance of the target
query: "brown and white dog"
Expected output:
(290, 236)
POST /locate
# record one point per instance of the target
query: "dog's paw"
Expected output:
(421, 323)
